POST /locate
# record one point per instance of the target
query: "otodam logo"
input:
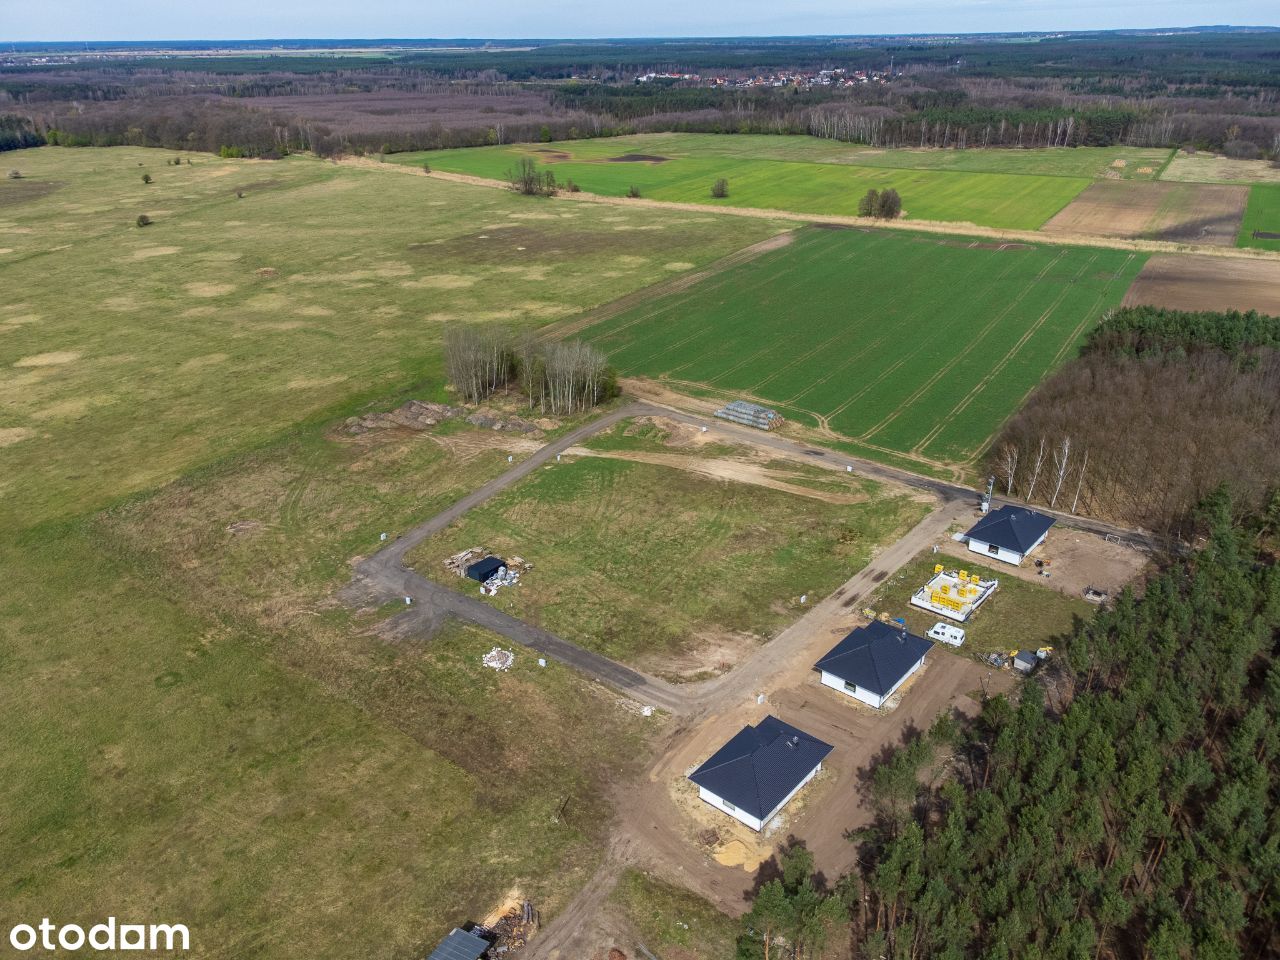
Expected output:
(47, 936)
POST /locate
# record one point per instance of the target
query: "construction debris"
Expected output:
(499, 659)
(459, 562)
(512, 930)
(498, 423)
(505, 577)
(416, 415)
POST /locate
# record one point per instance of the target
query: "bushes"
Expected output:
(146, 178)
(527, 179)
(886, 205)
(633, 192)
(720, 189)
(143, 220)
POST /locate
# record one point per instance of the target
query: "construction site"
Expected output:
(954, 594)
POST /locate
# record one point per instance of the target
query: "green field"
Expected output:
(1019, 615)
(666, 555)
(1261, 214)
(911, 344)
(195, 731)
(996, 188)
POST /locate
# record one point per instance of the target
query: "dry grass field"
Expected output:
(195, 731)
(1210, 169)
(1179, 212)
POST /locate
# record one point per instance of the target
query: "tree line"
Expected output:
(1160, 408)
(554, 377)
(1125, 804)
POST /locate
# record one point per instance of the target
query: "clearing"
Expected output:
(805, 174)
(1177, 212)
(1209, 169)
(1188, 282)
(862, 333)
(690, 556)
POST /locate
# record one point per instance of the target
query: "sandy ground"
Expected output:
(1076, 560)
(1208, 283)
(1177, 212)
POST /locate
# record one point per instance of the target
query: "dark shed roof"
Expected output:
(482, 570)
(875, 657)
(460, 945)
(1013, 528)
(761, 765)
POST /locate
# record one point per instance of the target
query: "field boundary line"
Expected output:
(950, 228)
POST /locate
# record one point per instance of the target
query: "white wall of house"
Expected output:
(991, 551)
(866, 696)
(729, 808)
(755, 824)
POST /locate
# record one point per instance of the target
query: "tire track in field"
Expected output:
(1004, 361)
(1060, 355)
(950, 364)
(904, 291)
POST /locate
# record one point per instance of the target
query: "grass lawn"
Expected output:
(195, 732)
(639, 561)
(672, 921)
(1019, 615)
(911, 344)
(1262, 214)
(803, 174)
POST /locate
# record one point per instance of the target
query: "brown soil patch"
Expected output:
(146, 253)
(555, 156)
(52, 359)
(1175, 212)
(639, 158)
(1207, 283)
(443, 281)
(16, 192)
(11, 435)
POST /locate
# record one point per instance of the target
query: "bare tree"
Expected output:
(1084, 463)
(1035, 473)
(1007, 464)
(1061, 461)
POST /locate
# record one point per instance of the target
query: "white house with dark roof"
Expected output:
(759, 771)
(872, 662)
(1009, 534)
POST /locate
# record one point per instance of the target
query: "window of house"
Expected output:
(992, 549)
(729, 806)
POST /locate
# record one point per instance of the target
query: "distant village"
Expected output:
(804, 80)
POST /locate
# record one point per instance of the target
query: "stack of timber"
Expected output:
(750, 415)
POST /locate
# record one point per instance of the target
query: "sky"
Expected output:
(256, 19)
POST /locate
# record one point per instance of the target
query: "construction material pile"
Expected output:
(499, 659)
(459, 562)
(513, 930)
(416, 415)
(750, 415)
(507, 576)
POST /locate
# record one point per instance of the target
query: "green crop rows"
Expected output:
(915, 344)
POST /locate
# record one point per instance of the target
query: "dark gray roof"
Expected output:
(761, 765)
(875, 657)
(1013, 528)
(482, 570)
(460, 945)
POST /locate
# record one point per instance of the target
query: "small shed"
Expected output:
(755, 775)
(1009, 534)
(872, 662)
(1024, 661)
(460, 945)
(482, 570)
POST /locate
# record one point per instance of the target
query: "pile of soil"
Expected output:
(639, 158)
(416, 415)
(499, 423)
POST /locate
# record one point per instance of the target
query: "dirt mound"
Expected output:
(416, 415)
(639, 158)
(502, 423)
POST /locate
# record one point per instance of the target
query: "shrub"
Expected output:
(572, 187)
(1241, 150)
(869, 205)
(890, 205)
(720, 189)
(426, 168)
(143, 220)
(146, 178)
(15, 174)
(633, 192)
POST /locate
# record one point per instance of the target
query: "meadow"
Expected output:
(906, 344)
(1262, 214)
(994, 188)
(195, 730)
(674, 561)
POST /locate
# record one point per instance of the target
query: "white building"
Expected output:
(872, 662)
(759, 771)
(1009, 534)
